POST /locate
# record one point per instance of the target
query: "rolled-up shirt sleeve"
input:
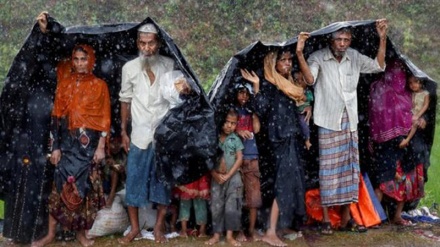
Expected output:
(368, 65)
(314, 67)
(126, 93)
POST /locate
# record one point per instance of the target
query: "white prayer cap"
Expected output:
(147, 28)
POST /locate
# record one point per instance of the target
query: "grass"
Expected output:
(2, 209)
(432, 187)
(387, 235)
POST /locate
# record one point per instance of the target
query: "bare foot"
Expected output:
(159, 237)
(215, 239)
(183, 234)
(128, 238)
(233, 242)
(241, 237)
(202, 231)
(43, 242)
(255, 237)
(10, 242)
(273, 240)
(85, 242)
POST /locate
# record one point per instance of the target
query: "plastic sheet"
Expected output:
(365, 40)
(26, 104)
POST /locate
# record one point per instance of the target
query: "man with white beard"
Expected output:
(142, 95)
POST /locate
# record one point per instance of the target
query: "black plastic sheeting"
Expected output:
(366, 41)
(186, 140)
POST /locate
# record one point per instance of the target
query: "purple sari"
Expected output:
(390, 105)
(390, 120)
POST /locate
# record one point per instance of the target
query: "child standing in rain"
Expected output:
(248, 125)
(226, 185)
(298, 80)
(196, 194)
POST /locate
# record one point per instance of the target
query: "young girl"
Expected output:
(195, 193)
(248, 125)
(420, 101)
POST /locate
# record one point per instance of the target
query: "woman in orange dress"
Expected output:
(80, 123)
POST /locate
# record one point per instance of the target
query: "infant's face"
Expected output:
(299, 80)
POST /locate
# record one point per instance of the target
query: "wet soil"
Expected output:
(387, 235)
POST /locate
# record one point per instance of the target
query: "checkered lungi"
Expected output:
(338, 165)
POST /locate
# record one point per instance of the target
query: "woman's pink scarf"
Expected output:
(390, 104)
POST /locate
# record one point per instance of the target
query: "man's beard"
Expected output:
(338, 54)
(148, 61)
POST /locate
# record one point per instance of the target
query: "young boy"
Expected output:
(194, 194)
(226, 185)
(248, 125)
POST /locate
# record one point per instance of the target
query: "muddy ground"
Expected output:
(387, 235)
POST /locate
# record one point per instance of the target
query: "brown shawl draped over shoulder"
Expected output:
(83, 98)
(284, 84)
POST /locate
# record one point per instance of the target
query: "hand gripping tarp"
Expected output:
(185, 141)
(365, 40)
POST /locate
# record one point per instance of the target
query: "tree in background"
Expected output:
(209, 33)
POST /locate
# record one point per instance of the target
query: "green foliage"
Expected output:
(432, 192)
(2, 210)
(210, 32)
(7, 50)
(430, 198)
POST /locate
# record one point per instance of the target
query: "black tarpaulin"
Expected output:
(186, 139)
(365, 40)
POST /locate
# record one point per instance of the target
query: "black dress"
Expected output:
(280, 127)
(30, 175)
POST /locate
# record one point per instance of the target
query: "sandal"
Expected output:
(192, 232)
(326, 228)
(351, 226)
